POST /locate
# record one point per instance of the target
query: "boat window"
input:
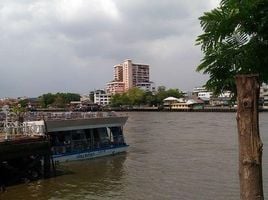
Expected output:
(104, 136)
(78, 135)
(116, 130)
(103, 132)
(117, 135)
(67, 138)
(88, 133)
(57, 139)
(96, 134)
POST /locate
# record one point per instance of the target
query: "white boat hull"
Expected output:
(88, 154)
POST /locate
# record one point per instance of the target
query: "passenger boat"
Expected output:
(79, 136)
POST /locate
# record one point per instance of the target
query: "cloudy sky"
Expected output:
(72, 45)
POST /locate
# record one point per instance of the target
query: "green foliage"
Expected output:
(137, 97)
(235, 41)
(59, 100)
(119, 99)
(46, 99)
(23, 103)
(161, 89)
(173, 93)
(162, 93)
(18, 110)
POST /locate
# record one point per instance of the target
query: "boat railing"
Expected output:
(31, 116)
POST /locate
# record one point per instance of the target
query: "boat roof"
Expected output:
(66, 121)
(78, 124)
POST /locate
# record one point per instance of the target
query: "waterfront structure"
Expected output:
(128, 75)
(205, 96)
(81, 135)
(102, 98)
(23, 152)
(196, 90)
(202, 93)
(66, 136)
(172, 103)
(224, 99)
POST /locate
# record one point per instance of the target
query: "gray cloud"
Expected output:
(60, 45)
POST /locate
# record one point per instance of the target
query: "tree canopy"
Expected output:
(235, 41)
(136, 97)
(59, 100)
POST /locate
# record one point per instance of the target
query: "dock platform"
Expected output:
(24, 157)
(23, 146)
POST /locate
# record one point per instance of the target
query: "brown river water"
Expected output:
(184, 156)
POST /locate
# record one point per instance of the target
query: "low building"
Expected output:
(220, 101)
(202, 93)
(102, 98)
(224, 99)
(196, 90)
(205, 96)
(172, 103)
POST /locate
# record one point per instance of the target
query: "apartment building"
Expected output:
(115, 87)
(128, 75)
(118, 73)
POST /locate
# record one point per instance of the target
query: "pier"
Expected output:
(24, 154)
(26, 147)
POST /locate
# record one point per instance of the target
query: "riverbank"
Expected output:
(156, 109)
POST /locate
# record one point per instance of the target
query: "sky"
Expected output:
(72, 45)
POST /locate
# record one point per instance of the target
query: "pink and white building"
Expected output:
(128, 75)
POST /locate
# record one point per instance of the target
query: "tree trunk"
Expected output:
(250, 145)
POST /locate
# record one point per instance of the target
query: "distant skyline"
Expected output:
(72, 45)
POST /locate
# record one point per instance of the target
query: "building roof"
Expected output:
(171, 99)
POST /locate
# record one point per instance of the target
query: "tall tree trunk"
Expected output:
(250, 145)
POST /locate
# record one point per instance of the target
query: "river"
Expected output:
(177, 155)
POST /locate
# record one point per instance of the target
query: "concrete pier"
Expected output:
(24, 157)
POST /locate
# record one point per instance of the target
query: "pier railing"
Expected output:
(11, 130)
(34, 122)
(32, 116)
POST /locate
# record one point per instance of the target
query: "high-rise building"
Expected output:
(128, 75)
(118, 73)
